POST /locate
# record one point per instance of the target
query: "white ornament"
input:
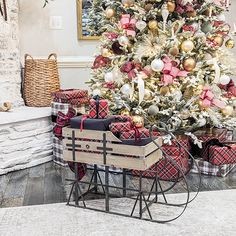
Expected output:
(157, 65)
(221, 17)
(141, 25)
(224, 79)
(109, 77)
(126, 89)
(123, 41)
(97, 92)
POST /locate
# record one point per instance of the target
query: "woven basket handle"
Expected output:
(53, 55)
(27, 55)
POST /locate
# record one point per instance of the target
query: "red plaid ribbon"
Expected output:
(82, 169)
(62, 121)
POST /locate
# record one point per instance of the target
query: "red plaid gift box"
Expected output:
(166, 169)
(206, 135)
(69, 94)
(177, 147)
(207, 168)
(118, 127)
(99, 108)
(74, 102)
(141, 133)
(222, 155)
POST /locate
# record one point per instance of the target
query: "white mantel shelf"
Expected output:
(24, 113)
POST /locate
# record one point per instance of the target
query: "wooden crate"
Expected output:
(89, 150)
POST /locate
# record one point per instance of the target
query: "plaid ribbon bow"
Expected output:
(62, 121)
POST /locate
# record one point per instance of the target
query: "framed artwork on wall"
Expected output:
(83, 9)
(3, 9)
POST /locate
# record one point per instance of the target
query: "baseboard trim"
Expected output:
(75, 62)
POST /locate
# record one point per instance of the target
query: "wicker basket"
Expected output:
(41, 80)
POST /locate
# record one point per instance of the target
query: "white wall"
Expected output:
(74, 55)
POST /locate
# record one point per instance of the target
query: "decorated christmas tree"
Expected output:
(166, 60)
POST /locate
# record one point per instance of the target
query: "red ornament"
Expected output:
(101, 61)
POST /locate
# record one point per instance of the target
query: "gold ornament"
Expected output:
(153, 25)
(191, 13)
(230, 43)
(171, 6)
(164, 90)
(188, 93)
(228, 111)
(219, 40)
(106, 52)
(174, 51)
(138, 121)
(147, 94)
(148, 7)
(189, 64)
(128, 3)
(187, 46)
(110, 12)
(125, 112)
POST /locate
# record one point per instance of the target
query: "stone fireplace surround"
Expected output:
(25, 133)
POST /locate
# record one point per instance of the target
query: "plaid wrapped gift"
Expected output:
(69, 94)
(118, 127)
(141, 133)
(206, 135)
(166, 169)
(207, 168)
(74, 102)
(58, 151)
(98, 108)
(177, 147)
(222, 154)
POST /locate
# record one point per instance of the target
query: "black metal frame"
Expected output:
(143, 201)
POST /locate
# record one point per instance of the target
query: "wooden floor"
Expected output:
(46, 184)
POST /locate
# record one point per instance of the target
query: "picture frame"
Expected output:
(3, 9)
(83, 7)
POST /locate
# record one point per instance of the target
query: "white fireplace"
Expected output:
(25, 133)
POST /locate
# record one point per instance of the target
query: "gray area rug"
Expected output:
(212, 213)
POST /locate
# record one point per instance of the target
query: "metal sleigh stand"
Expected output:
(153, 204)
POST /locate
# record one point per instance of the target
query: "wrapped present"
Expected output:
(135, 133)
(63, 120)
(119, 127)
(58, 151)
(167, 170)
(83, 122)
(178, 147)
(69, 95)
(74, 102)
(98, 108)
(206, 135)
(221, 153)
(207, 168)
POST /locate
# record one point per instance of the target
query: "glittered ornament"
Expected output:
(141, 25)
(148, 7)
(125, 112)
(157, 65)
(192, 13)
(189, 64)
(105, 52)
(219, 40)
(228, 111)
(187, 46)
(164, 90)
(110, 12)
(153, 110)
(171, 6)
(174, 51)
(126, 89)
(128, 3)
(123, 41)
(230, 43)
(109, 77)
(116, 48)
(153, 25)
(225, 79)
(138, 121)
(207, 27)
(97, 92)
